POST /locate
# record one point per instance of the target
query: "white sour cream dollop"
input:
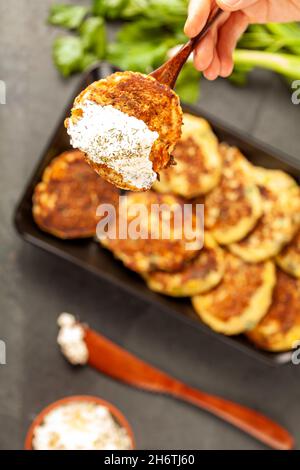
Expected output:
(71, 339)
(115, 139)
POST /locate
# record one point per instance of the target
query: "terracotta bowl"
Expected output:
(86, 398)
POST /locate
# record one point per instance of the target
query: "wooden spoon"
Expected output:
(116, 362)
(169, 71)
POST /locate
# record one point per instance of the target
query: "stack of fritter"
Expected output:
(175, 264)
(252, 223)
(254, 215)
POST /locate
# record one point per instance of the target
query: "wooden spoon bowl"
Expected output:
(169, 71)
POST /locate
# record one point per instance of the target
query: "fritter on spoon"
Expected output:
(127, 125)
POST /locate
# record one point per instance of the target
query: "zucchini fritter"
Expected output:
(281, 216)
(162, 242)
(289, 258)
(279, 330)
(241, 299)
(66, 200)
(198, 161)
(234, 206)
(197, 276)
(143, 98)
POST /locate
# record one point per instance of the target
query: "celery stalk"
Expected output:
(285, 64)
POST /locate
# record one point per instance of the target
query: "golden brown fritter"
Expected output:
(234, 206)
(144, 98)
(241, 299)
(280, 197)
(279, 330)
(197, 276)
(65, 201)
(198, 161)
(163, 242)
(289, 258)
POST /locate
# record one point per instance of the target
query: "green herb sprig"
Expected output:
(150, 29)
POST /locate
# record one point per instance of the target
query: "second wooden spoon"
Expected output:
(118, 363)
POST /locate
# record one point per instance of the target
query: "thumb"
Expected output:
(233, 5)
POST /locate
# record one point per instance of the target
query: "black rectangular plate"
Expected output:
(90, 256)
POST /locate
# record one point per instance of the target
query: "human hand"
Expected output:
(213, 55)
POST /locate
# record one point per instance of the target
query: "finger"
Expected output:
(198, 13)
(228, 37)
(204, 52)
(234, 5)
(213, 70)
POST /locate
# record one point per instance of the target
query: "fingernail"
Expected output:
(189, 30)
(210, 75)
(186, 26)
(226, 70)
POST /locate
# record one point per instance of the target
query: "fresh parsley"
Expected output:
(150, 29)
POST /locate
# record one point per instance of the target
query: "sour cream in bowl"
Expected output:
(80, 423)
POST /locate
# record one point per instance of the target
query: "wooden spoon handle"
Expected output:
(249, 421)
(168, 73)
(116, 362)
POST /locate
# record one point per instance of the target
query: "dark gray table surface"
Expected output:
(35, 287)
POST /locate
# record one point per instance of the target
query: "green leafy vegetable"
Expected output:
(134, 8)
(284, 64)
(140, 46)
(168, 12)
(67, 16)
(141, 57)
(88, 59)
(151, 29)
(109, 8)
(93, 36)
(68, 54)
(188, 84)
(272, 46)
